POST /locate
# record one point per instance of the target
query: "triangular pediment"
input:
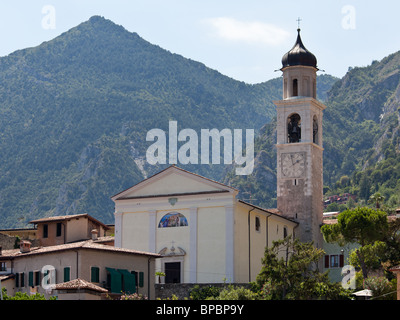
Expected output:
(173, 181)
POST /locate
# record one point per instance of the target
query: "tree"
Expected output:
(360, 225)
(376, 199)
(290, 271)
(365, 186)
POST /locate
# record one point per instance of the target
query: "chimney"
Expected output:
(94, 234)
(25, 246)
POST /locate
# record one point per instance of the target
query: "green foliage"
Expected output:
(235, 293)
(203, 293)
(24, 296)
(381, 288)
(373, 255)
(290, 271)
(360, 225)
(367, 227)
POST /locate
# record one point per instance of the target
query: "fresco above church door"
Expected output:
(173, 219)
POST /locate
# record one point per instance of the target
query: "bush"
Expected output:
(235, 293)
(133, 296)
(24, 296)
(203, 293)
(381, 288)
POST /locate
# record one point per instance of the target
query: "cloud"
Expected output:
(252, 32)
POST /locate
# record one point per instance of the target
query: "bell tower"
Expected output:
(299, 144)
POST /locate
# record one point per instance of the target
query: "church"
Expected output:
(202, 232)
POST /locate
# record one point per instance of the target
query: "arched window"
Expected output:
(315, 130)
(295, 88)
(258, 224)
(173, 219)
(294, 128)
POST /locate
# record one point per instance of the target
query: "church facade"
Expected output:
(203, 233)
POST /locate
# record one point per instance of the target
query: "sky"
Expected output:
(244, 40)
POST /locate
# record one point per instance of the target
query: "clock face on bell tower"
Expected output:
(293, 164)
(299, 144)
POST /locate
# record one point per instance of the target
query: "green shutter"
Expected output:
(129, 281)
(67, 274)
(116, 280)
(30, 279)
(141, 279)
(95, 274)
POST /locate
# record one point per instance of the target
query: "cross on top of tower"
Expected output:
(298, 22)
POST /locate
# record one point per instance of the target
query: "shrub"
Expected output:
(203, 293)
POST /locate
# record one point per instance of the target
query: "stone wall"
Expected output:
(8, 242)
(182, 290)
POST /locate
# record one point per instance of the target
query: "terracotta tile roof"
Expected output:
(329, 221)
(78, 284)
(395, 269)
(87, 244)
(6, 276)
(67, 217)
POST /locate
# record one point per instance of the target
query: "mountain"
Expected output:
(74, 113)
(363, 132)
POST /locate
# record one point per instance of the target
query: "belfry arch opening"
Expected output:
(315, 130)
(294, 128)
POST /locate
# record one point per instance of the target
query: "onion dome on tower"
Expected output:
(299, 55)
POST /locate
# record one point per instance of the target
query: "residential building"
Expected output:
(66, 229)
(115, 269)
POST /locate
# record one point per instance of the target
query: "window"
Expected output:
(45, 231)
(22, 279)
(285, 233)
(34, 278)
(258, 224)
(58, 232)
(315, 130)
(67, 274)
(3, 266)
(37, 278)
(95, 274)
(334, 261)
(295, 88)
